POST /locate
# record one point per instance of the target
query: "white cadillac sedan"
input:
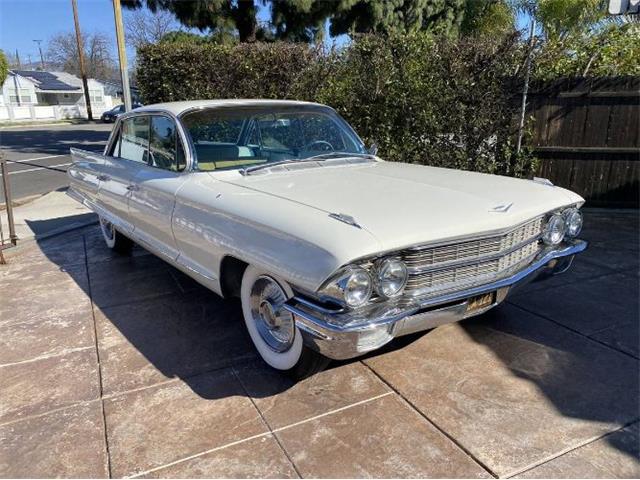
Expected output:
(332, 251)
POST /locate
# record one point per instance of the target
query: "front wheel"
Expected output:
(272, 328)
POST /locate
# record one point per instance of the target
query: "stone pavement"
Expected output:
(46, 215)
(122, 366)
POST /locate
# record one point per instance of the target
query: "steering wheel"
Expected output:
(320, 142)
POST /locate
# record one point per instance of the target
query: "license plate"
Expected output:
(481, 301)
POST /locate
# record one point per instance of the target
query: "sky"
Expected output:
(22, 21)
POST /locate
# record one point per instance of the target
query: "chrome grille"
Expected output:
(447, 268)
(464, 276)
(422, 258)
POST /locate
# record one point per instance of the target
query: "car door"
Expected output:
(156, 183)
(127, 154)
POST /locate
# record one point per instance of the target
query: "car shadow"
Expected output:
(154, 323)
(52, 226)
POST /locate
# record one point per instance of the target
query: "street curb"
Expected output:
(22, 201)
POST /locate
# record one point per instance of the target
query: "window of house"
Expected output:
(95, 96)
(25, 95)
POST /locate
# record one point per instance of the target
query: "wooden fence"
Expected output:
(587, 135)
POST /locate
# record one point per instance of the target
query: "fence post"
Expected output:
(7, 198)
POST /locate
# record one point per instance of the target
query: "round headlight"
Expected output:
(357, 287)
(391, 277)
(573, 222)
(554, 230)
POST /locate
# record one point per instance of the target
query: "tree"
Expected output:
(487, 17)
(62, 51)
(212, 15)
(143, 27)
(396, 16)
(300, 20)
(4, 67)
(558, 19)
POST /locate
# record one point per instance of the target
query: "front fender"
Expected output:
(298, 243)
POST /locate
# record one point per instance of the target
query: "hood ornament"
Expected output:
(502, 208)
(348, 219)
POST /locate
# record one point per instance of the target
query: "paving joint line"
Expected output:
(238, 361)
(567, 450)
(572, 330)
(49, 412)
(253, 437)
(434, 424)
(265, 422)
(45, 357)
(97, 349)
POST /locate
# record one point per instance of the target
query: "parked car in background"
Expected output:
(110, 116)
(332, 251)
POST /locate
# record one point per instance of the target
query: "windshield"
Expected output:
(233, 138)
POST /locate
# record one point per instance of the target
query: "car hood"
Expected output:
(402, 204)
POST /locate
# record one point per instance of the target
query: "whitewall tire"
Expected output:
(272, 329)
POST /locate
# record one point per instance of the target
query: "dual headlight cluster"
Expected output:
(566, 224)
(354, 285)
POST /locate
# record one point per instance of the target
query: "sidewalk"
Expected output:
(47, 215)
(116, 366)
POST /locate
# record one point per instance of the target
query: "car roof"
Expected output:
(178, 108)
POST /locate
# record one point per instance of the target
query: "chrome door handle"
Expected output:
(104, 178)
(133, 187)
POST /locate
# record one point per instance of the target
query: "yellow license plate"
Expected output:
(481, 301)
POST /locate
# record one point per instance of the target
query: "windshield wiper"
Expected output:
(325, 156)
(315, 158)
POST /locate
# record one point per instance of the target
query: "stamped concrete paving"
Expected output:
(122, 366)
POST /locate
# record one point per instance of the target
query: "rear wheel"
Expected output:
(114, 239)
(272, 328)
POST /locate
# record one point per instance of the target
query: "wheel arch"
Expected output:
(231, 271)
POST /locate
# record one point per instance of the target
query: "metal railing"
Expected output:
(12, 239)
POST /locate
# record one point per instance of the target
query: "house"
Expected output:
(114, 90)
(34, 94)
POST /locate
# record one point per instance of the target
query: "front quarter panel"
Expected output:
(213, 219)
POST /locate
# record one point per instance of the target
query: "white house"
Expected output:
(34, 95)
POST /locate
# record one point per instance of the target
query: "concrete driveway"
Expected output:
(125, 367)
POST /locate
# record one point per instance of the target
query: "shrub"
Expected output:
(420, 98)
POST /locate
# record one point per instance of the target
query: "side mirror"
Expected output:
(373, 149)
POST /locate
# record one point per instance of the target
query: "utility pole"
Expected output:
(122, 55)
(83, 73)
(18, 60)
(41, 56)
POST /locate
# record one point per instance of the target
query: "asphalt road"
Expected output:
(38, 156)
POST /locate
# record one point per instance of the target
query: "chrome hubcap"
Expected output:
(275, 325)
(107, 229)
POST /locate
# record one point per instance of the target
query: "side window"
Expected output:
(165, 148)
(134, 139)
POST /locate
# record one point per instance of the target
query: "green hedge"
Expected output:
(421, 99)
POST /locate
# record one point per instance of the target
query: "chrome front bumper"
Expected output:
(346, 334)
